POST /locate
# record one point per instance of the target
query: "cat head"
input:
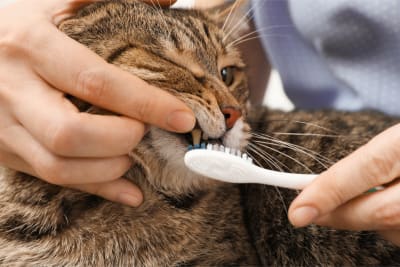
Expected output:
(186, 53)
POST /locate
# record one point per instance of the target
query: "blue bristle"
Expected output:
(197, 146)
(190, 147)
(203, 145)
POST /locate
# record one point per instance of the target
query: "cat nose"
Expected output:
(231, 114)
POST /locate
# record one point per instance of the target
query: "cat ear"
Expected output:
(233, 17)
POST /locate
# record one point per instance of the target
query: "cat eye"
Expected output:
(228, 75)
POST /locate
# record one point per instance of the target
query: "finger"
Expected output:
(66, 132)
(87, 76)
(375, 211)
(120, 190)
(391, 235)
(371, 165)
(62, 171)
(15, 162)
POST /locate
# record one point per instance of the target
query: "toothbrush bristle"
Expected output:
(222, 148)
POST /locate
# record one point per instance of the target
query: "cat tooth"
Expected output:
(205, 136)
(196, 135)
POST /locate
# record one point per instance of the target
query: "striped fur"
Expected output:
(185, 220)
(180, 222)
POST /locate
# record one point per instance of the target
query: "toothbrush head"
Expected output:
(217, 161)
(221, 148)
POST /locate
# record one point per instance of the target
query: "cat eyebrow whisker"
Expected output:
(262, 35)
(227, 22)
(245, 19)
(258, 33)
(155, 5)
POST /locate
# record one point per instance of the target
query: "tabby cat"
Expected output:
(187, 219)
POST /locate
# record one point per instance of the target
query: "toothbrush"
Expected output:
(232, 166)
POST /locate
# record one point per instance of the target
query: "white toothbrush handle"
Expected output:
(233, 169)
(281, 179)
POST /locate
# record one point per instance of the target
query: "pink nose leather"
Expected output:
(231, 114)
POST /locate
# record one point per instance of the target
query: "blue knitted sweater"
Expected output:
(334, 53)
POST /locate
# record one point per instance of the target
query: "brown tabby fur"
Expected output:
(185, 219)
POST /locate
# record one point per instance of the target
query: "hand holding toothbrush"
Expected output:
(336, 198)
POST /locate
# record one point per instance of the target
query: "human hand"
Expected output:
(43, 134)
(337, 197)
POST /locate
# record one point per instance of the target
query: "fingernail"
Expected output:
(129, 199)
(181, 121)
(303, 216)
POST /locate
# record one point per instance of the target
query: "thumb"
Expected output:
(372, 165)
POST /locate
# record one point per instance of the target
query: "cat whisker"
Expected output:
(267, 160)
(270, 138)
(285, 167)
(264, 155)
(245, 19)
(267, 144)
(258, 162)
(307, 134)
(294, 147)
(233, 7)
(158, 9)
(304, 123)
(258, 36)
(251, 149)
(290, 157)
(281, 198)
(258, 33)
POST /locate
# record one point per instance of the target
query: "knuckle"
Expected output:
(379, 168)
(52, 169)
(338, 197)
(96, 189)
(136, 135)
(16, 42)
(144, 109)
(387, 215)
(333, 192)
(62, 135)
(11, 45)
(92, 84)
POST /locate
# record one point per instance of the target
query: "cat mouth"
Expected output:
(197, 138)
